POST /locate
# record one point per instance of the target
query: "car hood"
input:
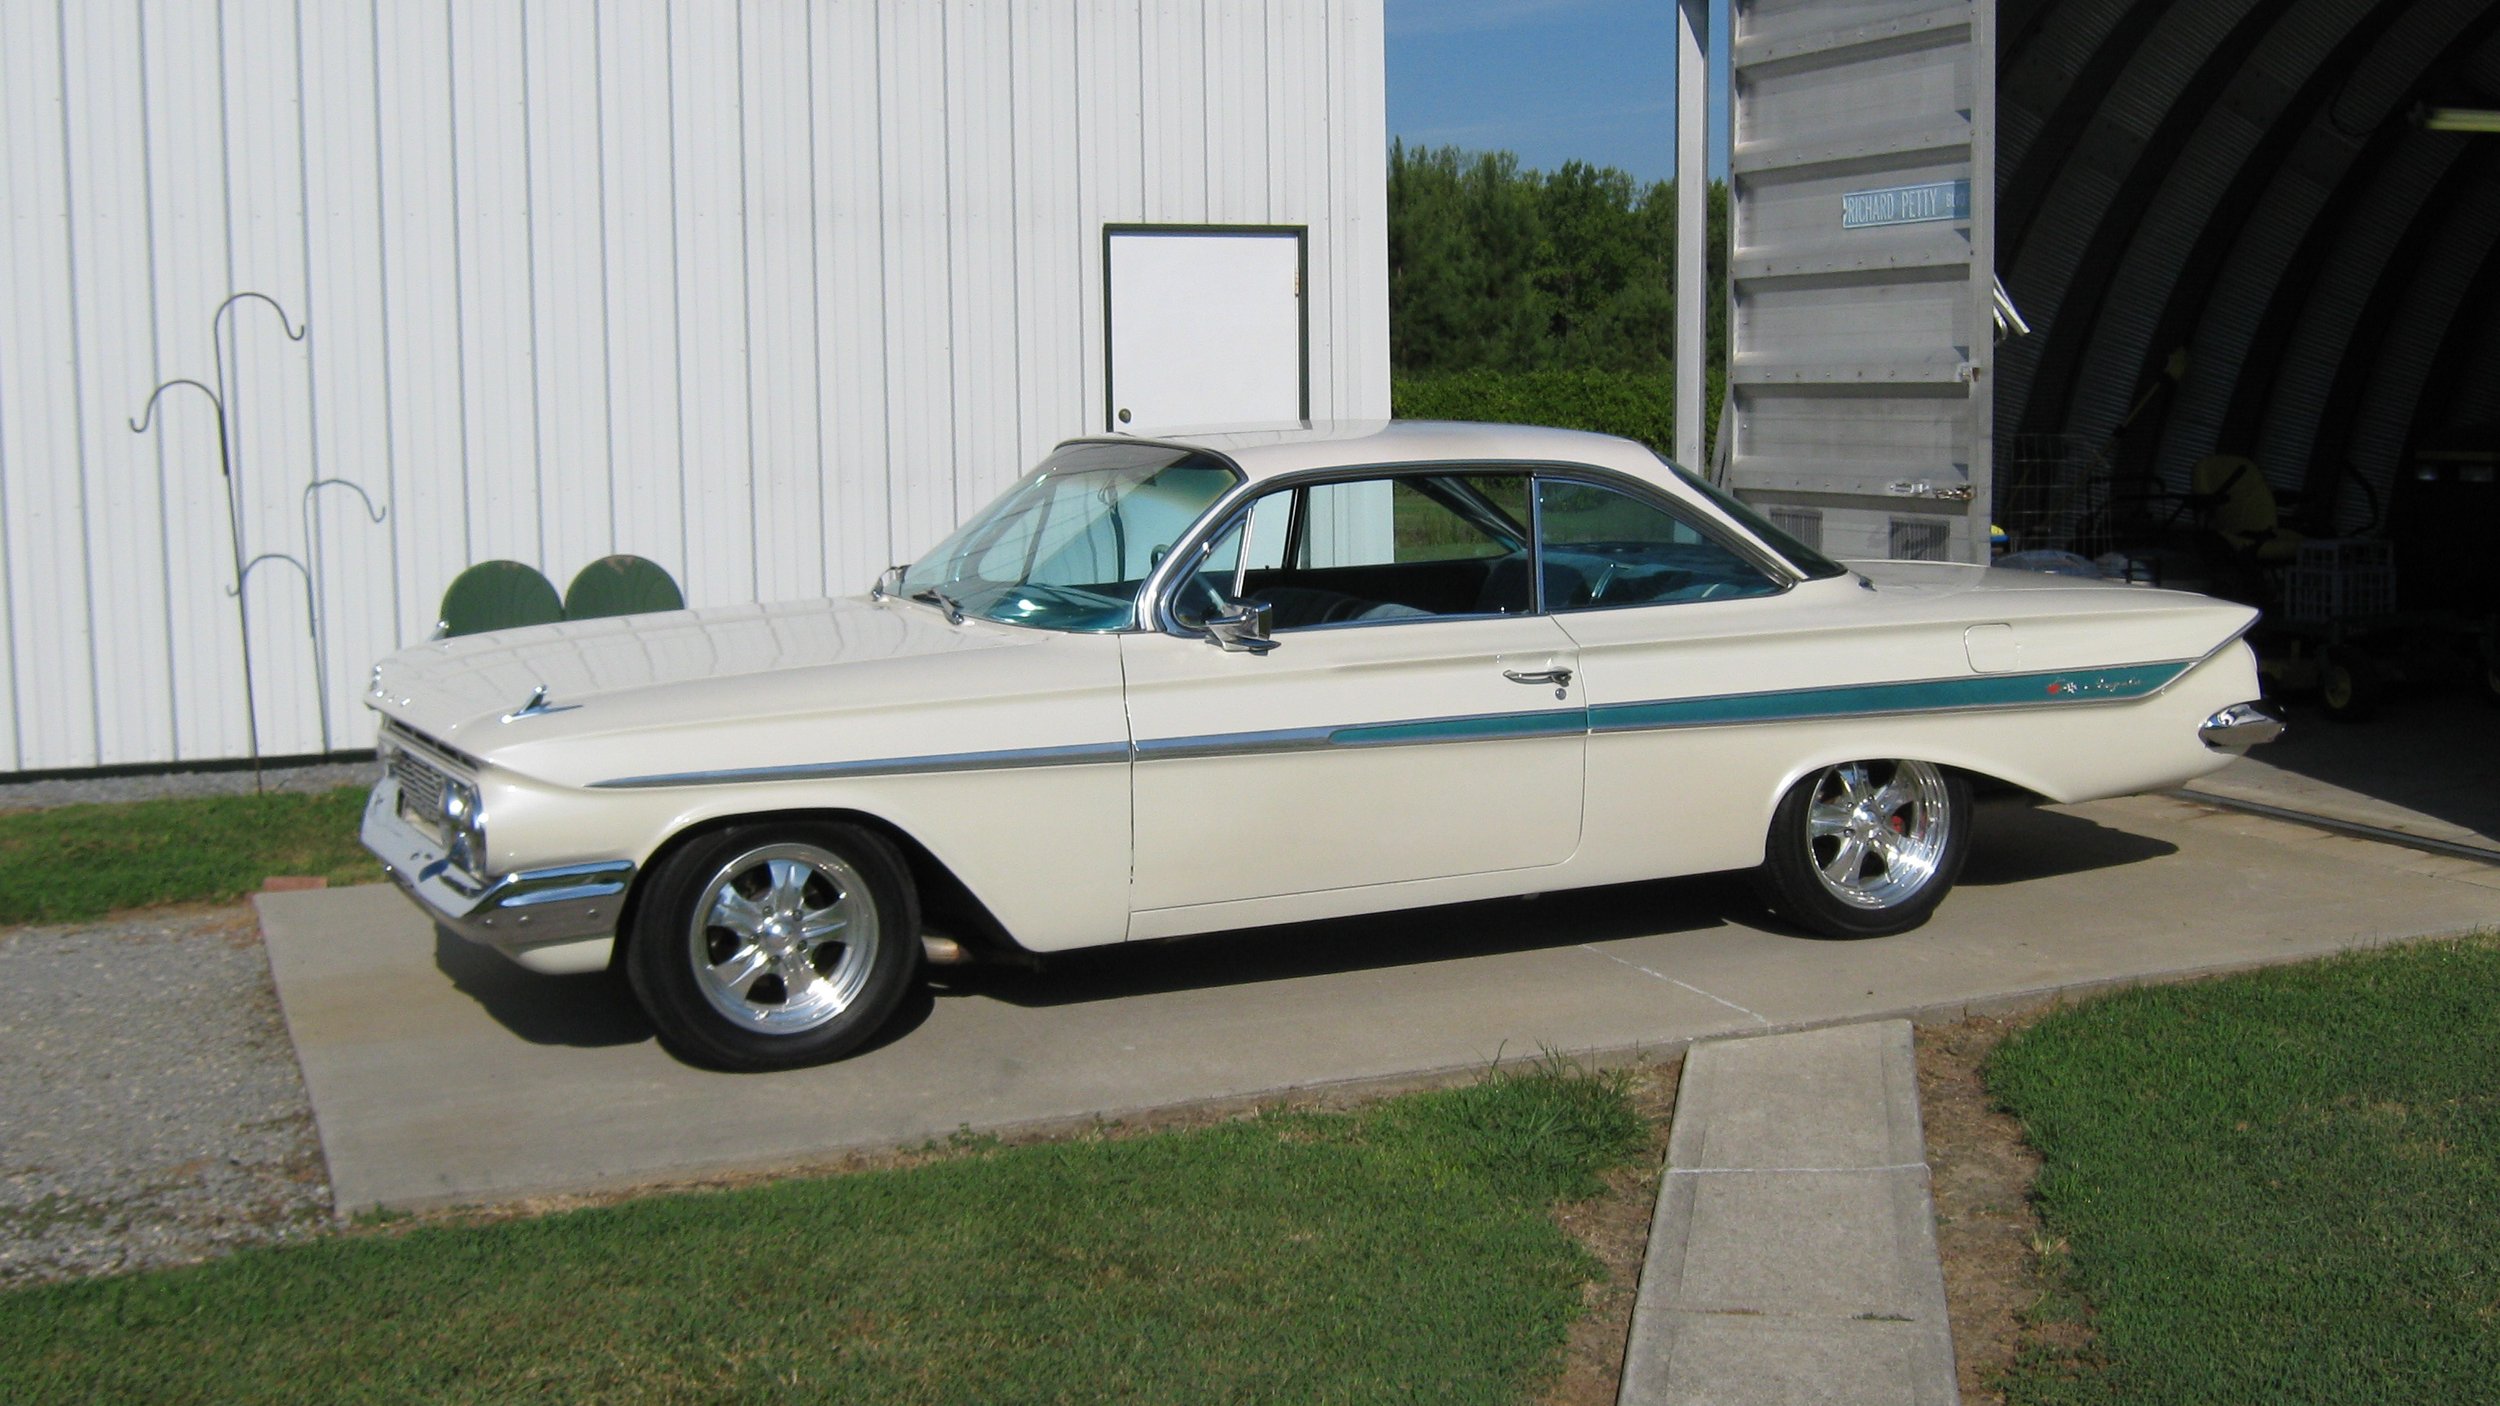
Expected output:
(625, 672)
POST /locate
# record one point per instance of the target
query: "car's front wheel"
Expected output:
(1867, 848)
(772, 945)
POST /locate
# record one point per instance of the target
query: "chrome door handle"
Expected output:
(1559, 678)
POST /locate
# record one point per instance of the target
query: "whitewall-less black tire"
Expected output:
(776, 944)
(1867, 848)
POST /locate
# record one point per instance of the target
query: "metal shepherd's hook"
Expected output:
(217, 398)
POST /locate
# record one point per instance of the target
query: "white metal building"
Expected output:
(770, 292)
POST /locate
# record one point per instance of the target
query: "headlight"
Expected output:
(464, 827)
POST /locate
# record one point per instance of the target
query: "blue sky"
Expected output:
(1552, 80)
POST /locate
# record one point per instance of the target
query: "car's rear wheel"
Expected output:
(1867, 848)
(774, 945)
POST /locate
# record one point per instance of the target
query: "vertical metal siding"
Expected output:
(771, 293)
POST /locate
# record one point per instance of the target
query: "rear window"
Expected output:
(1810, 564)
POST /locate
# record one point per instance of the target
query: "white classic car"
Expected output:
(1170, 686)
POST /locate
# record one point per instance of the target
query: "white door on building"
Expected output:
(1207, 327)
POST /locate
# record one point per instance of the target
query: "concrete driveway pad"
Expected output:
(439, 1073)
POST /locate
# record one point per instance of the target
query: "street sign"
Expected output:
(1905, 205)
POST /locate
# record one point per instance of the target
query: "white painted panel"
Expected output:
(51, 595)
(1356, 227)
(981, 145)
(105, 130)
(1054, 244)
(638, 166)
(190, 273)
(718, 494)
(269, 373)
(354, 558)
(420, 258)
(1206, 329)
(770, 293)
(853, 378)
(911, 54)
(1172, 55)
(780, 292)
(569, 282)
(491, 195)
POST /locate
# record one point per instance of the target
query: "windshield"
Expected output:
(1068, 547)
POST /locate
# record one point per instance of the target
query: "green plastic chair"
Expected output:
(621, 585)
(497, 595)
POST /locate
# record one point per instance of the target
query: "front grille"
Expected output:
(422, 767)
(420, 787)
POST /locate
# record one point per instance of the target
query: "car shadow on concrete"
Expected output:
(595, 1010)
(1406, 938)
(590, 1011)
(2015, 843)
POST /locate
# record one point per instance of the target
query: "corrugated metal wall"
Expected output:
(769, 292)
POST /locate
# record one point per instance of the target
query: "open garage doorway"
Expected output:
(2257, 243)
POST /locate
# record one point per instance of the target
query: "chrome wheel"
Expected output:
(1877, 832)
(783, 938)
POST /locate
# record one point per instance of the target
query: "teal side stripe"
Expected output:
(1938, 695)
(1480, 728)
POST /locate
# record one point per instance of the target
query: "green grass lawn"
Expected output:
(74, 862)
(1404, 1252)
(2278, 1187)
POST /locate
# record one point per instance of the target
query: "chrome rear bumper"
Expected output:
(2239, 727)
(516, 913)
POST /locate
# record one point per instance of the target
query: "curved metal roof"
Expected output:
(2246, 180)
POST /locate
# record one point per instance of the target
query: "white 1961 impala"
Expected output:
(1173, 686)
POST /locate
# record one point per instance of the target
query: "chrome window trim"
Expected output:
(1784, 577)
(1154, 597)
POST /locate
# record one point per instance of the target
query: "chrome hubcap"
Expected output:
(783, 938)
(1876, 830)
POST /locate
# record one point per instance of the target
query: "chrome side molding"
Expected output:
(2239, 727)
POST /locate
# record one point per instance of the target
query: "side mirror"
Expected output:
(1245, 627)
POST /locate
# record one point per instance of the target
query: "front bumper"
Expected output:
(2239, 727)
(567, 905)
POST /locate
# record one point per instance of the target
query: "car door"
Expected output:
(1417, 717)
(1680, 629)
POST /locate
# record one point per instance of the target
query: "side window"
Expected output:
(1218, 579)
(1607, 548)
(1398, 547)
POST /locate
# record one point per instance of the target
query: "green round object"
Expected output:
(621, 585)
(497, 595)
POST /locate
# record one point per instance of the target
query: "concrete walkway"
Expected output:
(440, 1073)
(1793, 1258)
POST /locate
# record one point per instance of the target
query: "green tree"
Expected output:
(1494, 268)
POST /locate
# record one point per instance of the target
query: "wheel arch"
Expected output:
(945, 899)
(1987, 776)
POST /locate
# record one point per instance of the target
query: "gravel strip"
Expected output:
(151, 1110)
(78, 790)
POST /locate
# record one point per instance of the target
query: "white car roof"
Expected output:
(1266, 452)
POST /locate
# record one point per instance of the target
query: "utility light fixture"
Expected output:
(2460, 119)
